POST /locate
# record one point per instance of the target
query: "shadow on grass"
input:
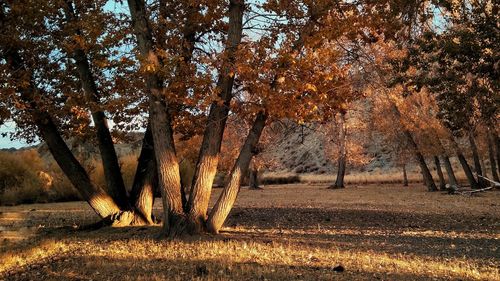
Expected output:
(94, 267)
(421, 235)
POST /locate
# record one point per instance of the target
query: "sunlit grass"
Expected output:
(287, 232)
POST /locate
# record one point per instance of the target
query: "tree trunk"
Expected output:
(449, 171)
(112, 172)
(223, 206)
(465, 166)
(342, 161)
(491, 154)
(477, 161)
(208, 158)
(497, 144)
(405, 176)
(442, 183)
(146, 179)
(98, 199)
(428, 180)
(161, 127)
(254, 178)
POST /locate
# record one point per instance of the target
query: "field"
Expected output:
(282, 232)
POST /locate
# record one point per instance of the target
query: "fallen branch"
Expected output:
(495, 184)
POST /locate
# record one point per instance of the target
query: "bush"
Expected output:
(26, 178)
(279, 179)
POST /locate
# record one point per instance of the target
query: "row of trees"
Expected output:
(438, 86)
(179, 69)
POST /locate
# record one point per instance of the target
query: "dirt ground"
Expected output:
(285, 232)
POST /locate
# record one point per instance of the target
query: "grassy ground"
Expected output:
(288, 232)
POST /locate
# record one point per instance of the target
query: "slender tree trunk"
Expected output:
(254, 178)
(208, 158)
(449, 171)
(491, 154)
(342, 161)
(465, 166)
(428, 180)
(146, 179)
(477, 161)
(405, 176)
(223, 206)
(442, 183)
(112, 172)
(161, 127)
(98, 199)
(497, 144)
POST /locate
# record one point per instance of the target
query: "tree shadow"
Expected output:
(78, 266)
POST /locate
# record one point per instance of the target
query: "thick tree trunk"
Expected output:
(442, 183)
(226, 200)
(97, 198)
(208, 158)
(146, 179)
(477, 161)
(161, 127)
(428, 180)
(491, 155)
(405, 176)
(254, 178)
(112, 172)
(449, 171)
(342, 161)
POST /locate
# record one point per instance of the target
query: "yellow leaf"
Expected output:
(311, 87)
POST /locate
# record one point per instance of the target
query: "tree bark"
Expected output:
(112, 172)
(428, 180)
(98, 199)
(208, 158)
(161, 127)
(405, 176)
(497, 144)
(146, 179)
(342, 161)
(223, 206)
(442, 183)
(449, 171)
(477, 161)
(491, 154)
(465, 166)
(254, 178)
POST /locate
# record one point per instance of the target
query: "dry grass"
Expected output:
(355, 178)
(292, 232)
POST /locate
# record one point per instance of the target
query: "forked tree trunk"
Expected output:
(442, 183)
(465, 166)
(477, 161)
(98, 199)
(405, 176)
(342, 161)
(146, 179)
(491, 155)
(208, 158)
(449, 171)
(223, 206)
(112, 172)
(161, 127)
